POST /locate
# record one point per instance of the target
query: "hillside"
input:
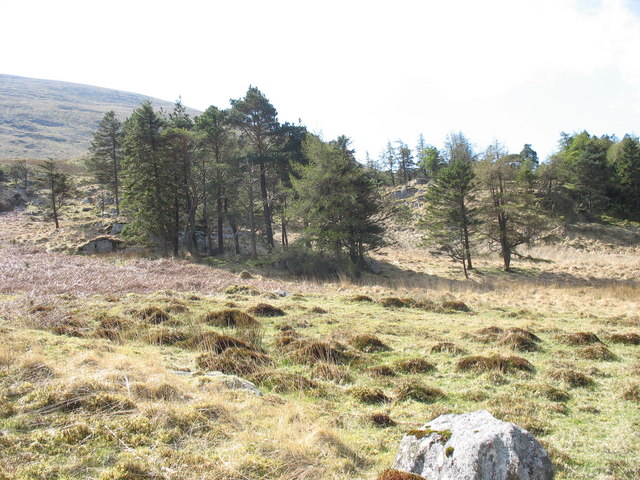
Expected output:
(42, 119)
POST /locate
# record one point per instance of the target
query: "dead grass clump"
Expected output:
(525, 333)
(312, 351)
(240, 289)
(581, 338)
(70, 326)
(496, 363)
(165, 336)
(571, 377)
(369, 395)
(176, 306)
(520, 341)
(414, 365)
(157, 391)
(215, 343)
(34, 370)
(456, 306)
(234, 361)
(245, 275)
(285, 382)
(232, 318)
(6, 409)
(418, 392)
(391, 474)
(361, 298)
(395, 302)
(152, 314)
(284, 340)
(381, 371)
(40, 309)
(369, 343)
(632, 393)
(427, 306)
(266, 310)
(87, 396)
(318, 310)
(332, 373)
(130, 469)
(111, 327)
(596, 352)
(447, 347)
(625, 338)
(381, 420)
(550, 392)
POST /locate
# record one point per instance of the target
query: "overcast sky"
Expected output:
(516, 71)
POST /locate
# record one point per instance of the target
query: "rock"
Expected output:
(233, 382)
(116, 228)
(101, 244)
(473, 446)
(374, 266)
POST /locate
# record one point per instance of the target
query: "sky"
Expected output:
(512, 71)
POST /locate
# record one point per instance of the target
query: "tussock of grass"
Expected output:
(111, 327)
(245, 275)
(414, 365)
(596, 352)
(381, 371)
(215, 343)
(241, 289)
(361, 298)
(176, 306)
(284, 382)
(571, 377)
(495, 363)
(70, 326)
(456, 306)
(381, 420)
(632, 393)
(369, 343)
(518, 340)
(624, 338)
(369, 395)
(151, 314)
(266, 310)
(230, 318)
(581, 338)
(165, 336)
(333, 373)
(157, 391)
(447, 347)
(412, 390)
(395, 302)
(234, 361)
(318, 310)
(547, 391)
(391, 474)
(312, 351)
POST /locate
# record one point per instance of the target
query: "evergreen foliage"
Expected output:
(60, 188)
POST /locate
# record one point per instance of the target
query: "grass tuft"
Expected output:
(391, 474)
(624, 338)
(414, 365)
(151, 314)
(230, 318)
(581, 338)
(369, 343)
(381, 420)
(447, 347)
(395, 302)
(419, 392)
(369, 395)
(234, 361)
(571, 377)
(496, 363)
(456, 306)
(266, 310)
(596, 352)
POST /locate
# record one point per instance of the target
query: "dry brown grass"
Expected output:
(495, 363)
(231, 317)
(266, 310)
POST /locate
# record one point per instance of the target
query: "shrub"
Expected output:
(230, 317)
(369, 395)
(369, 343)
(234, 361)
(266, 310)
(414, 365)
(497, 363)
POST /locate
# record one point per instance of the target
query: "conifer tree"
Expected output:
(338, 202)
(106, 155)
(60, 188)
(451, 217)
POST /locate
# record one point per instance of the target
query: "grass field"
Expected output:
(105, 361)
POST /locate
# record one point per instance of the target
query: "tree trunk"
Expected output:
(236, 240)
(266, 207)
(220, 211)
(54, 206)
(252, 220)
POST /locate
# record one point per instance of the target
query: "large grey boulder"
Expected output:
(473, 446)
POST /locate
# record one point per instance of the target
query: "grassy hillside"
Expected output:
(42, 119)
(106, 362)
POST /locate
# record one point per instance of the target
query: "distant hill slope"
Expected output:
(49, 119)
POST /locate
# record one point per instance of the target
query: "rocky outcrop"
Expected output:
(473, 446)
(101, 244)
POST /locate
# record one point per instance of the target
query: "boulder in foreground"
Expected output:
(473, 446)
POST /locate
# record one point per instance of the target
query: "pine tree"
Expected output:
(106, 155)
(451, 218)
(60, 188)
(338, 202)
